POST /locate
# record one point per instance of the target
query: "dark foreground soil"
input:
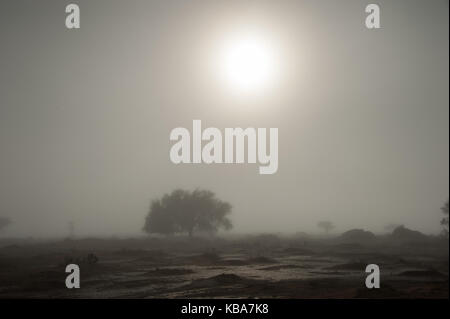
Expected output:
(218, 268)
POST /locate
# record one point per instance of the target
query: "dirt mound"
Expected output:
(357, 236)
(227, 278)
(170, 272)
(234, 262)
(404, 234)
(348, 246)
(89, 259)
(205, 259)
(153, 257)
(298, 251)
(422, 273)
(126, 252)
(262, 260)
(279, 267)
(356, 266)
(219, 280)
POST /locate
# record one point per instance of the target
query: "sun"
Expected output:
(248, 63)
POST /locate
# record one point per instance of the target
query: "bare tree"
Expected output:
(327, 226)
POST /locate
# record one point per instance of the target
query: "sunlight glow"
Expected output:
(248, 63)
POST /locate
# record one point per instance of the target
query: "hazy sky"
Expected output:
(85, 115)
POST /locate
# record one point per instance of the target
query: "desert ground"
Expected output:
(257, 266)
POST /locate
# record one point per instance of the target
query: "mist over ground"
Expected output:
(85, 115)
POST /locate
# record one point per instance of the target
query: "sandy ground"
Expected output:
(217, 268)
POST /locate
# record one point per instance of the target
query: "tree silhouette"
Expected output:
(444, 221)
(185, 211)
(326, 226)
(4, 221)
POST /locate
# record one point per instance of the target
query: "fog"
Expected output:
(85, 115)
